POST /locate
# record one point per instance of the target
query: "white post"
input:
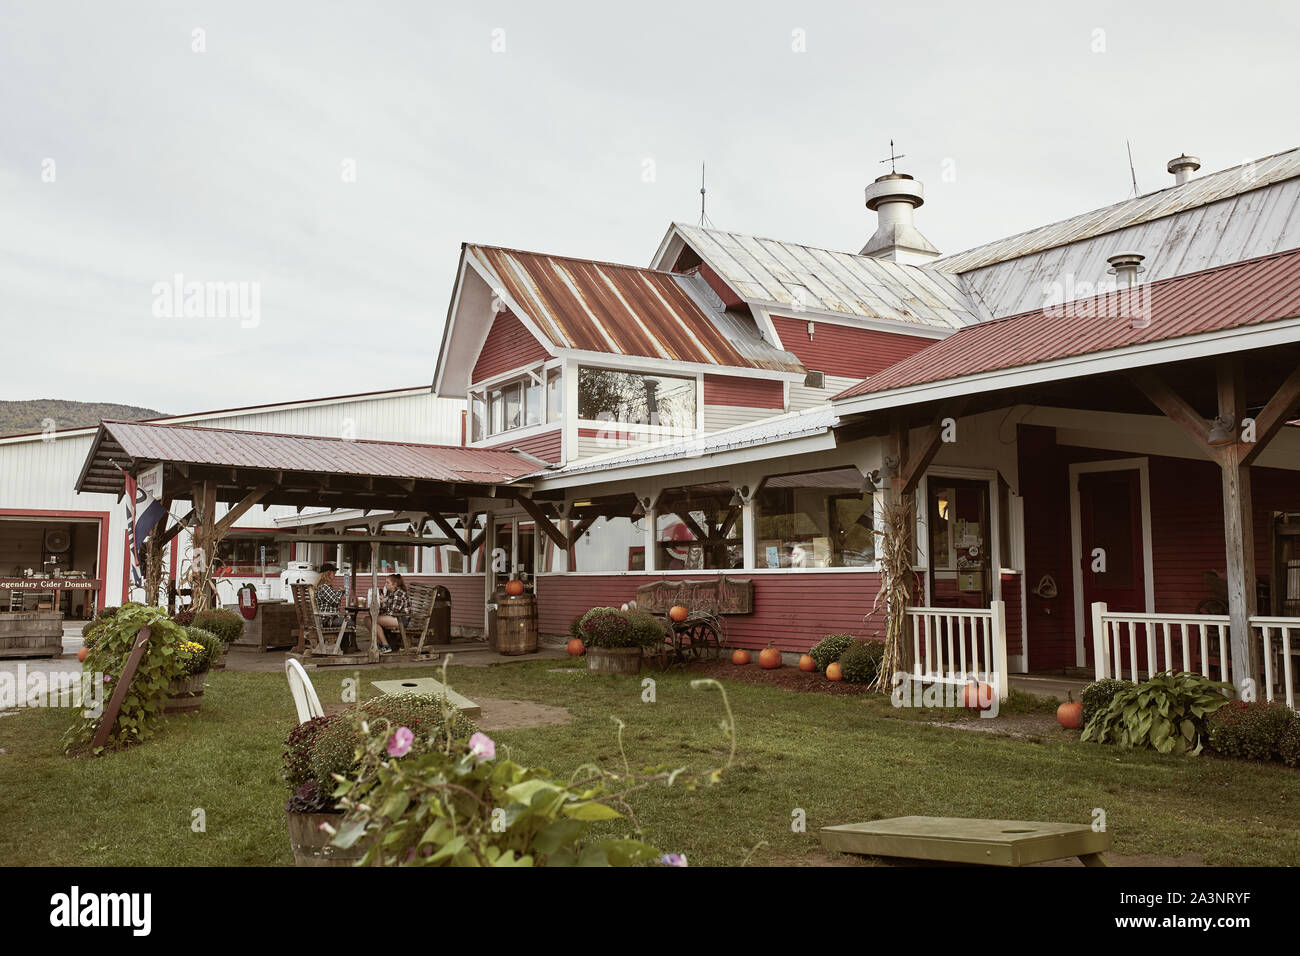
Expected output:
(749, 533)
(999, 609)
(1100, 659)
(489, 572)
(651, 551)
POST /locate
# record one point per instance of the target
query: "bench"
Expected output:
(707, 601)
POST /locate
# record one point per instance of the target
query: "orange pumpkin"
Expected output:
(514, 588)
(977, 696)
(740, 656)
(1070, 714)
(769, 658)
(576, 646)
(833, 671)
(83, 653)
(678, 613)
(806, 663)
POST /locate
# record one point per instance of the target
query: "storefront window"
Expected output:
(699, 528)
(244, 553)
(393, 558)
(632, 398)
(820, 519)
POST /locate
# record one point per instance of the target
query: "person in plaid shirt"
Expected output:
(328, 597)
(396, 604)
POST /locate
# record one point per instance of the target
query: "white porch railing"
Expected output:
(1200, 643)
(958, 645)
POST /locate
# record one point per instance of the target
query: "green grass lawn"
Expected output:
(839, 759)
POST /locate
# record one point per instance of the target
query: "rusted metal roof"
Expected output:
(128, 442)
(1232, 296)
(593, 306)
(1200, 191)
(773, 273)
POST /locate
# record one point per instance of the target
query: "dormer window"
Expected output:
(533, 398)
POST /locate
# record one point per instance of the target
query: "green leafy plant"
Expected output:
(860, 662)
(337, 748)
(829, 649)
(227, 625)
(1288, 743)
(647, 630)
(1250, 730)
(1167, 713)
(459, 804)
(161, 664)
(1097, 696)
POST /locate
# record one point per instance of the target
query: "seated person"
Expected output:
(328, 596)
(396, 604)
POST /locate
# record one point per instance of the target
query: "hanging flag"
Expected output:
(142, 513)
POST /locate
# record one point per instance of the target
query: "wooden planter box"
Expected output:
(614, 660)
(311, 844)
(273, 626)
(31, 634)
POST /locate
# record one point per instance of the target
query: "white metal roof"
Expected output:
(772, 273)
(778, 428)
(1200, 191)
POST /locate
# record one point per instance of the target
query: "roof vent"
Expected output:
(1182, 167)
(1132, 301)
(1125, 266)
(892, 198)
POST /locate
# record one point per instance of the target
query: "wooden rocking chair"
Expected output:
(324, 639)
(415, 623)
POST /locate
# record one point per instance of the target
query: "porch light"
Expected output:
(1222, 431)
(738, 497)
(639, 510)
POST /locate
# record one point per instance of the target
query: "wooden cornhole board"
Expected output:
(428, 685)
(961, 840)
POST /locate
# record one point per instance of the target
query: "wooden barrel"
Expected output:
(184, 696)
(517, 624)
(311, 844)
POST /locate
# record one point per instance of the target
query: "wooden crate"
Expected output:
(273, 626)
(31, 634)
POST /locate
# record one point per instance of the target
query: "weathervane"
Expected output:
(892, 157)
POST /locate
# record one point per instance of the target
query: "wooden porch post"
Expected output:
(1238, 526)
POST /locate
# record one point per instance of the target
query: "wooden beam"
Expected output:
(1281, 408)
(121, 688)
(445, 527)
(239, 510)
(1175, 407)
(1238, 527)
(543, 521)
(916, 460)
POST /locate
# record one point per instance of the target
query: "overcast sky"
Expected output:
(334, 156)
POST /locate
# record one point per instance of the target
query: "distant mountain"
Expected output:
(19, 418)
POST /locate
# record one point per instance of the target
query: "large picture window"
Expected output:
(821, 519)
(699, 528)
(632, 398)
(245, 553)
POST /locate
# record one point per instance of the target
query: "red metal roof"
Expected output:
(625, 310)
(338, 456)
(1231, 296)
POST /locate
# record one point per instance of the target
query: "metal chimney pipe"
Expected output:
(1182, 167)
(1125, 266)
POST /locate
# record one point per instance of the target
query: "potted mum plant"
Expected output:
(197, 654)
(617, 640)
(326, 750)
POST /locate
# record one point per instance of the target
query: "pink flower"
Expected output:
(673, 859)
(400, 743)
(481, 746)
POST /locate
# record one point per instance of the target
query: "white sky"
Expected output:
(227, 165)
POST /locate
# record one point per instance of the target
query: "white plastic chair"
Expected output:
(304, 694)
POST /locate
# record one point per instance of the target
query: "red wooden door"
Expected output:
(1110, 516)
